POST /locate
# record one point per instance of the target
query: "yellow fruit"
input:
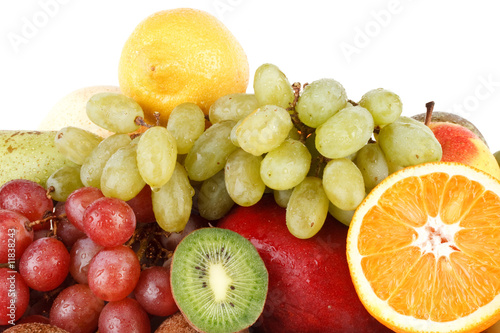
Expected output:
(71, 110)
(181, 55)
(423, 249)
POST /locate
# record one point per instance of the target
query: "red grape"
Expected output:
(14, 237)
(27, 198)
(78, 201)
(142, 204)
(14, 296)
(66, 231)
(45, 264)
(125, 315)
(113, 273)
(109, 222)
(76, 309)
(153, 292)
(81, 254)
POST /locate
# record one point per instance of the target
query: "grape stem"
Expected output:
(303, 129)
(148, 248)
(428, 114)
(141, 122)
(47, 217)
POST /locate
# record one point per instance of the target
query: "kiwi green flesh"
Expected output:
(219, 280)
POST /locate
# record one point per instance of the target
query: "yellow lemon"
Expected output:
(181, 55)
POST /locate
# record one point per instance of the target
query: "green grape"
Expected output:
(172, 203)
(213, 199)
(345, 132)
(264, 129)
(210, 151)
(285, 166)
(120, 177)
(242, 177)
(384, 105)
(282, 197)
(307, 208)
(76, 143)
(343, 183)
(320, 100)
(186, 122)
(91, 170)
(371, 162)
(114, 112)
(232, 107)
(343, 216)
(271, 87)
(408, 142)
(156, 156)
(64, 181)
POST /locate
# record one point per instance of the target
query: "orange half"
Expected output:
(424, 249)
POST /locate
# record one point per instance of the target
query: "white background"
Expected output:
(445, 51)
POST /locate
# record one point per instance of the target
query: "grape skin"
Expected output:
(263, 130)
(343, 183)
(242, 178)
(13, 230)
(408, 142)
(156, 156)
(76, 309)
(210, 152)
(44, 264)
(345, 132)
(213, 199)
(272, 87)
(114, 112)
(113, 273)
(307, 208)
(9, 277)
(320, 100)
(172, 203)
(285, 166)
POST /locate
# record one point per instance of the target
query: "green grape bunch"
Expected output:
(317, 151)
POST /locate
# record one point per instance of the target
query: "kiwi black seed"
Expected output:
(219, 280)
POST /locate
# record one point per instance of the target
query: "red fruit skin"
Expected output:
(310, 288)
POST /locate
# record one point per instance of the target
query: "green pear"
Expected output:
(29, 155)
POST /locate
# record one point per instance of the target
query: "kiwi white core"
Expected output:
(219, 281)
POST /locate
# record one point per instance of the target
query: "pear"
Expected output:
(29, 155)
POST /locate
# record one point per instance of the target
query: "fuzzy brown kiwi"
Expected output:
(219, 280)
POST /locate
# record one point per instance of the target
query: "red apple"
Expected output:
(310, 288)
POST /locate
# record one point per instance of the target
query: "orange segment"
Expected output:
(458, 197)
(484, 213)
(482, 282)
(424, 249)
(411, 297)
(390, 235)
(396, 264)
(480, 243)
(404, 201)
(433, 187)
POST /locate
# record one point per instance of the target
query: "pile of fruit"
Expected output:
(195, 206)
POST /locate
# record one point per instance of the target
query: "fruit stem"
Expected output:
(140, 121)
(48, 216)
(303, 129)
(428, 114)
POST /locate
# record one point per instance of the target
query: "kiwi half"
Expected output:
(219, 280)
